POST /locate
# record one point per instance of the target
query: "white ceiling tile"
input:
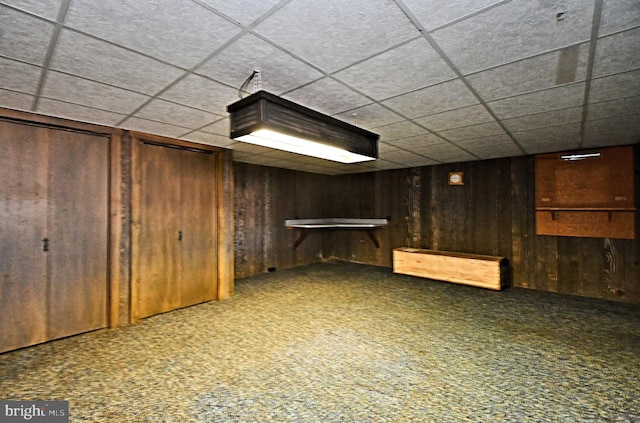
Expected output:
(383, 147)
(436, 99)
(176, 114)
(45, 8)
(419, 161)
(536, 73)
(23, 37)
(617, 53)
(435, 13)
(80, 113)
(400, 156)
(327, 96)
(152, 127)
(496, 151)
(472, 131)
(443, 151)
(541, 120)
(176, 31)
(413, 66)
(59, 86)
(24, 78)
(613, 108)
(15, 100)
(242, 11)
(369, 116)
(80, 55)
(279, 71)
(612, 131)
(542, 101)
(220, 127)
(411, 143)
(515, 30)
(281, 154)
(250, 148)
(490, 141)
(549, 147)
(201, 93)
(608, 124)
(362, 61)
(254, 159)
(455, 118)
(618, 15)
(553, 138)
(616, 86)
(333, 34)
(209, 139)
(398, 130)
(383, 165)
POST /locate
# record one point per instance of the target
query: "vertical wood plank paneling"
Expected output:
(307, 194)
(546, 260)
(504, 210)
(484, 205)
(225, 225)
(523, 237)
(389, 190)
(268, 249)
(613, 272)
(413, 186)
(435, 211)
(119, 231)
(493, 213)
(240, 199)
(264, 198)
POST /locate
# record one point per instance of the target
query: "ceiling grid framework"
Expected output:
(441, 81)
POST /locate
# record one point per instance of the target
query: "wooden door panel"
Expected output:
(156, 282)
(23, 205)
(198, 224)
(78, 240)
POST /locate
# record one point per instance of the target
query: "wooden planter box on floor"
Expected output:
(469, 269)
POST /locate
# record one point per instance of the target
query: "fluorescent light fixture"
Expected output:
(574, 157)
(271, 121)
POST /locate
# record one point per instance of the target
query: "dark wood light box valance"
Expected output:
(592, 197)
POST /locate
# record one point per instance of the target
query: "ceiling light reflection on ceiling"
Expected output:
(271, 121)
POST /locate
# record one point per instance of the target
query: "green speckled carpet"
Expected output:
(340, 342)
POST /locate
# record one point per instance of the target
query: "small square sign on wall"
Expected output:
(456, 178)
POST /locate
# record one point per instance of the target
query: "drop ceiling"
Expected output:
(441, 81)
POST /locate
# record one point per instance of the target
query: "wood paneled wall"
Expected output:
(264, 197)
(493, 213)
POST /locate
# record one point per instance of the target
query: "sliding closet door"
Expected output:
(77, 233)
(199, 255)
(174, 236)
(53, 234)
(157, 280)
(23, 220)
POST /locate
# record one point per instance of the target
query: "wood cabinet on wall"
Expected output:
(53, 233)
(174, 237)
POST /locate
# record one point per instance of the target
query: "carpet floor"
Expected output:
(341, 342)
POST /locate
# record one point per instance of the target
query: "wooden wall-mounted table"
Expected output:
(307, 225)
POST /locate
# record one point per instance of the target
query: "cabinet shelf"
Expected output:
(605, 209)
(594, 197)
(609, 210)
